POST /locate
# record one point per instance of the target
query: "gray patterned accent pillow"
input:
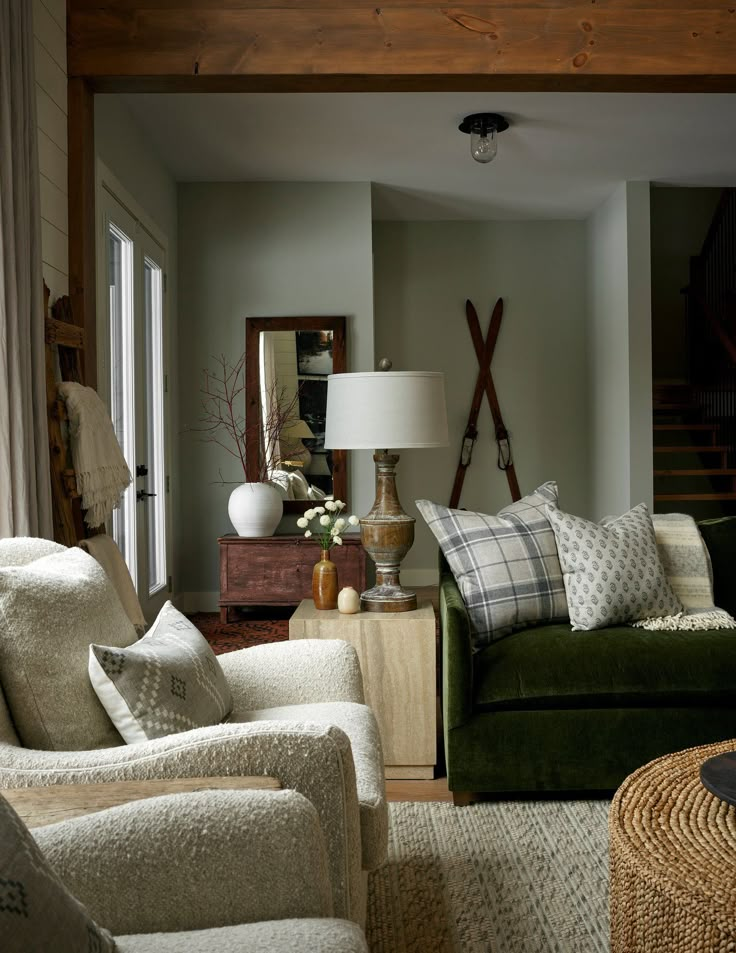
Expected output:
(613, 573)
(169, 681)
(37, 912)
(506, 566)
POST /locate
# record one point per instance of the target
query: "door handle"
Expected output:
(141, 495)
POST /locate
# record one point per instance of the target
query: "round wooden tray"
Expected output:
(718, 775)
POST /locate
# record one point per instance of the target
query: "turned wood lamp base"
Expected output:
(387, 534)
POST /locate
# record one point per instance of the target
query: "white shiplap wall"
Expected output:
(49, 28)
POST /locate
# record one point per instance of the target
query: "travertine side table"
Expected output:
(397, 652)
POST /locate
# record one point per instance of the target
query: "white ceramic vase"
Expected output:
(348, 601)
(255, 509)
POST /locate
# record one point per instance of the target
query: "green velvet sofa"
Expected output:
(547, 709)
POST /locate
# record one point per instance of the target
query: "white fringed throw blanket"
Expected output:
(687, 564)
(102, 473)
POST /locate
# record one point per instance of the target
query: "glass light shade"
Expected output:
(386, 410)
(483, 145)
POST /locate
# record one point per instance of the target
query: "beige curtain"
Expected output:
(25, 491)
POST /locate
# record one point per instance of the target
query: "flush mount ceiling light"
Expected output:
(483, 129)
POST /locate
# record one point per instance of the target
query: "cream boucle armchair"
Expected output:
(209, 872)
(298, 716)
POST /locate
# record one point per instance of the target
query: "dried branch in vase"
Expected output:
(224, 425)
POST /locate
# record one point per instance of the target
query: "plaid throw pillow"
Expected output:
(506, 566)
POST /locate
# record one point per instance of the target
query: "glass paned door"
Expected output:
(154, 425)
(132, 368)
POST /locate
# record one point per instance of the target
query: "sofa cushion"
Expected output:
(37, 912)
(552, 667)
(169, 681)
(21, 550)
(51, 610)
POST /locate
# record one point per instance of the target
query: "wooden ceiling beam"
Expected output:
(235, 45)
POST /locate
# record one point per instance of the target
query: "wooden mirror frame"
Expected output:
(253, 327)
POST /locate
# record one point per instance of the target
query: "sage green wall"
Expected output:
(680, 220)
(259, 249)
(424, 271)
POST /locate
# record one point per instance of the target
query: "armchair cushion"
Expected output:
(271, 936)
(169, 681)
(37, 912)
(194, 861)
(51, 610)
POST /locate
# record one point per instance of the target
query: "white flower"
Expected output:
(353, 520)
(302, 522)
(324, 520)
(308, 533)
(338, 541)
(340, 523)
(309, 515)
(329, 505)
(319, 509)
(339, 504)
(334, 531)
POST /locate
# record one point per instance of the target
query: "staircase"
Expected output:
(691, 463)
(695, 424)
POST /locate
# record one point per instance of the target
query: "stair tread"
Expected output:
(725, 471)
(686, 426)
(691, 448)
(662, 497)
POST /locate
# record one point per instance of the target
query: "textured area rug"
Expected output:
(501, 877)
(246, 632)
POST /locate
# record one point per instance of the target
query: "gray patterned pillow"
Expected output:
(506, 566)
(613, 573)
(37, 912)
(169, 681)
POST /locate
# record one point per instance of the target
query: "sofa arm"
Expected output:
(207, 859)
(305, 671)
(315, 760)
(457, 655)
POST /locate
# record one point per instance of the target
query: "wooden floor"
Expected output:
(436, 790)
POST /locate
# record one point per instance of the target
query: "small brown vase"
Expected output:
(324, 583)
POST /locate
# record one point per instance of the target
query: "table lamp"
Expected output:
(394, 410)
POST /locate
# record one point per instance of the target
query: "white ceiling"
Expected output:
(562, 156)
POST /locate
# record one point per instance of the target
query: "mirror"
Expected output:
(287, 361)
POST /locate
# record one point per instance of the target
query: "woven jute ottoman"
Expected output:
(673, 860)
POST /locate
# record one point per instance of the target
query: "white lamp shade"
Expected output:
(386, 410)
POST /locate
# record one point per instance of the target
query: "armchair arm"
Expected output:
(207, 859)
(457, 655)
(305, 671)
(315, 760)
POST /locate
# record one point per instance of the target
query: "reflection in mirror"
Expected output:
(288, 361)
(293, 369)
